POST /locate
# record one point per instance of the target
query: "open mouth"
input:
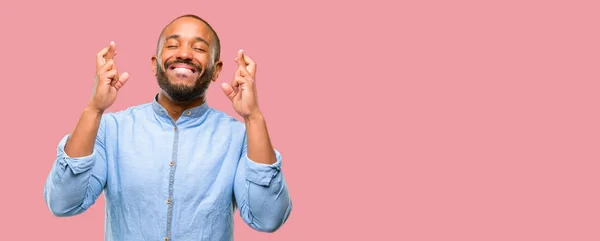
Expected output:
(182, 69)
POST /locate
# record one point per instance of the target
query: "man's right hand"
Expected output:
(107, 82)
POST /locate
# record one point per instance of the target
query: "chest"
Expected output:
(190, 164)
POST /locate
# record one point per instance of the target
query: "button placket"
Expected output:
(169, 201)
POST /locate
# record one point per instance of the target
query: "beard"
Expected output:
(182, 92)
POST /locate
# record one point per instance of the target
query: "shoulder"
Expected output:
(224, 119)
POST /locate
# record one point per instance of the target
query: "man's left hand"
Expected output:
(242, 90)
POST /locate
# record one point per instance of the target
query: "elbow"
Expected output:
(275, 223)
(60, 208)
(59, 213)
(64, 211)
(268, 227)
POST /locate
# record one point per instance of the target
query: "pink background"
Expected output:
(412, 120)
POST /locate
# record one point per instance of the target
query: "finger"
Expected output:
(243, 72)
(108, 52)
(240, 58)
(100, 57)
(122, 80)
(112, 47)
(239, 82)
(250, 65)
(115, 78)
(228, 90)
(110, 57)
(109, 75)
(108, 65)
(241, 62)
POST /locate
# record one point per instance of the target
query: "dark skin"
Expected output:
(186, 39)
(189, 39)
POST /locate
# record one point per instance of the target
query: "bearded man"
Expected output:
(173, 168)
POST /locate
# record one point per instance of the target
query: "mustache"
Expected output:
(180, 61)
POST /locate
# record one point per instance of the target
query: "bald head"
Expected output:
(215, 43)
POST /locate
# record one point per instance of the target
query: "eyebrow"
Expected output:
(176, 36)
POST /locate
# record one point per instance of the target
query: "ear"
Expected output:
(218, 67)
(154, 63)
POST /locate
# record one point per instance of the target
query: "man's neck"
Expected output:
(176, 108)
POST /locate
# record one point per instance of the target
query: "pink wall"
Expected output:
(413, 120)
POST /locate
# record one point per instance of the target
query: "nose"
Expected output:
(184, 53)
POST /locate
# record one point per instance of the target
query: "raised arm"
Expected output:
(78, 174)
(260, 189)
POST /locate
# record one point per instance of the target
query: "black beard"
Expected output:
(180, 92)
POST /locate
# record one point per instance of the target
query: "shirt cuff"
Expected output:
(77, 164)
(260, 173)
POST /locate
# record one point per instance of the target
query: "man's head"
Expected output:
(187, 58)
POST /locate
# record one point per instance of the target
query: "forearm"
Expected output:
(260, 148)
(77, 177)
(81, 141)
(69, 194)
(73, 184)
(268, 206)
(261, 189)
(262, 193)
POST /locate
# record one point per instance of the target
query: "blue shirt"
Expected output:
(166, 180)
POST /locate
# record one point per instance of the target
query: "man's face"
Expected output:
(184, 65)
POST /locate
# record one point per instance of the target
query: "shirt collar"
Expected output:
(194, 112)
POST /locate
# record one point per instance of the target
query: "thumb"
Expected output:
(228, 90)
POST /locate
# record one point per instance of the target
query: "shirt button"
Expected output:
(171, 163)
(166, 239)
(175, 129)
(169, 201)
(188, 112)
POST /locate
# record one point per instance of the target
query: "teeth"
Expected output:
(182, 71)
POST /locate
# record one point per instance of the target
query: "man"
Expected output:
(173, 168)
